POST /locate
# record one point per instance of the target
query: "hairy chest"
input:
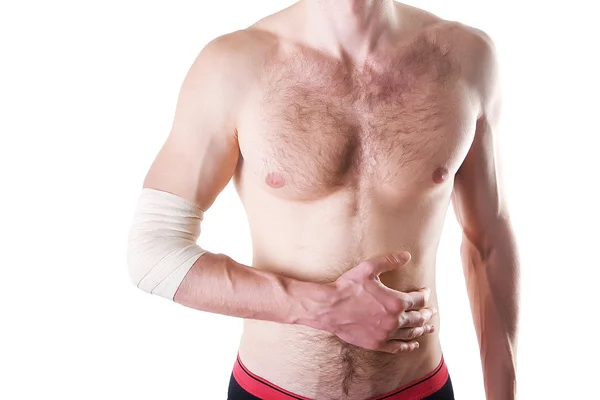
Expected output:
(313, 128)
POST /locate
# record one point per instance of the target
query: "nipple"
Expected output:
(275, 180)
(440, 174)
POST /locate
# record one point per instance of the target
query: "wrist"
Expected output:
(500, 383)
(309, 301)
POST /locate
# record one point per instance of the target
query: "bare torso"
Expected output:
(340, 163)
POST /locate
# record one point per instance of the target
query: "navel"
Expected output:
(275, 180)
(440, 175)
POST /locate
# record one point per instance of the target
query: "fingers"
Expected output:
(414, 324)
(378, 265)
(397, 346)
(417, 299)
(413, 319)
(412, 333)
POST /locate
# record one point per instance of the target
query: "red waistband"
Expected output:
(415, 390)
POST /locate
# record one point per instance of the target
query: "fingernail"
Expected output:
(402, 257)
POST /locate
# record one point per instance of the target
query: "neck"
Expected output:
(349, 27)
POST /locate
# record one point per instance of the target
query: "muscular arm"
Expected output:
(197, 161)
(488, 251)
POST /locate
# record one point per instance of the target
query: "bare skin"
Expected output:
(348, 127)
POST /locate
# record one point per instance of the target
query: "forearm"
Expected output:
(164, 258)
(492, 273)
(218, 284)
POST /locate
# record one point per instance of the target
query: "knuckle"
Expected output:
(402, 320)
(398, 305)
(408, 319)
(424, 297)
(417, 320)
(403, 347)
(417, 332)
(417, 301)
(391, 258)
(425, 317)
(404, 301)
(409, 302)
(389, 324)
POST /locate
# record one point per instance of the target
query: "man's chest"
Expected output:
(309, 130)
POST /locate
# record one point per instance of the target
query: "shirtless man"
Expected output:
(347, 127)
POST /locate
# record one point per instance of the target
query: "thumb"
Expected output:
(388, 262)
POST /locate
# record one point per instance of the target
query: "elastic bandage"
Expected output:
(162, 242)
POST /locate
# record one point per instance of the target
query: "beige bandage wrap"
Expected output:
(162, 242)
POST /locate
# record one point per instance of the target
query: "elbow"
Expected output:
(143, 261)
(150, 261)
(162, 242)
(480, 242)
(476, 247)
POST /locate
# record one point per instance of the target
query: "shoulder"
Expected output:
(472, 51)
(221, 77)
(477, 48)
(475, 45)
(471, 46)
(476, 53)
(240, 53)
(469, 43)
(227, 68)
(482, 70)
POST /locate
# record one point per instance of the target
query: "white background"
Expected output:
(87, 94)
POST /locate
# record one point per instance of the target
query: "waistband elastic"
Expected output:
(415, 390)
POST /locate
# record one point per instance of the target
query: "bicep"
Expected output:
(478, 196)
(201, 151)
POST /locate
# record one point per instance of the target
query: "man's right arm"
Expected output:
(197, 161)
